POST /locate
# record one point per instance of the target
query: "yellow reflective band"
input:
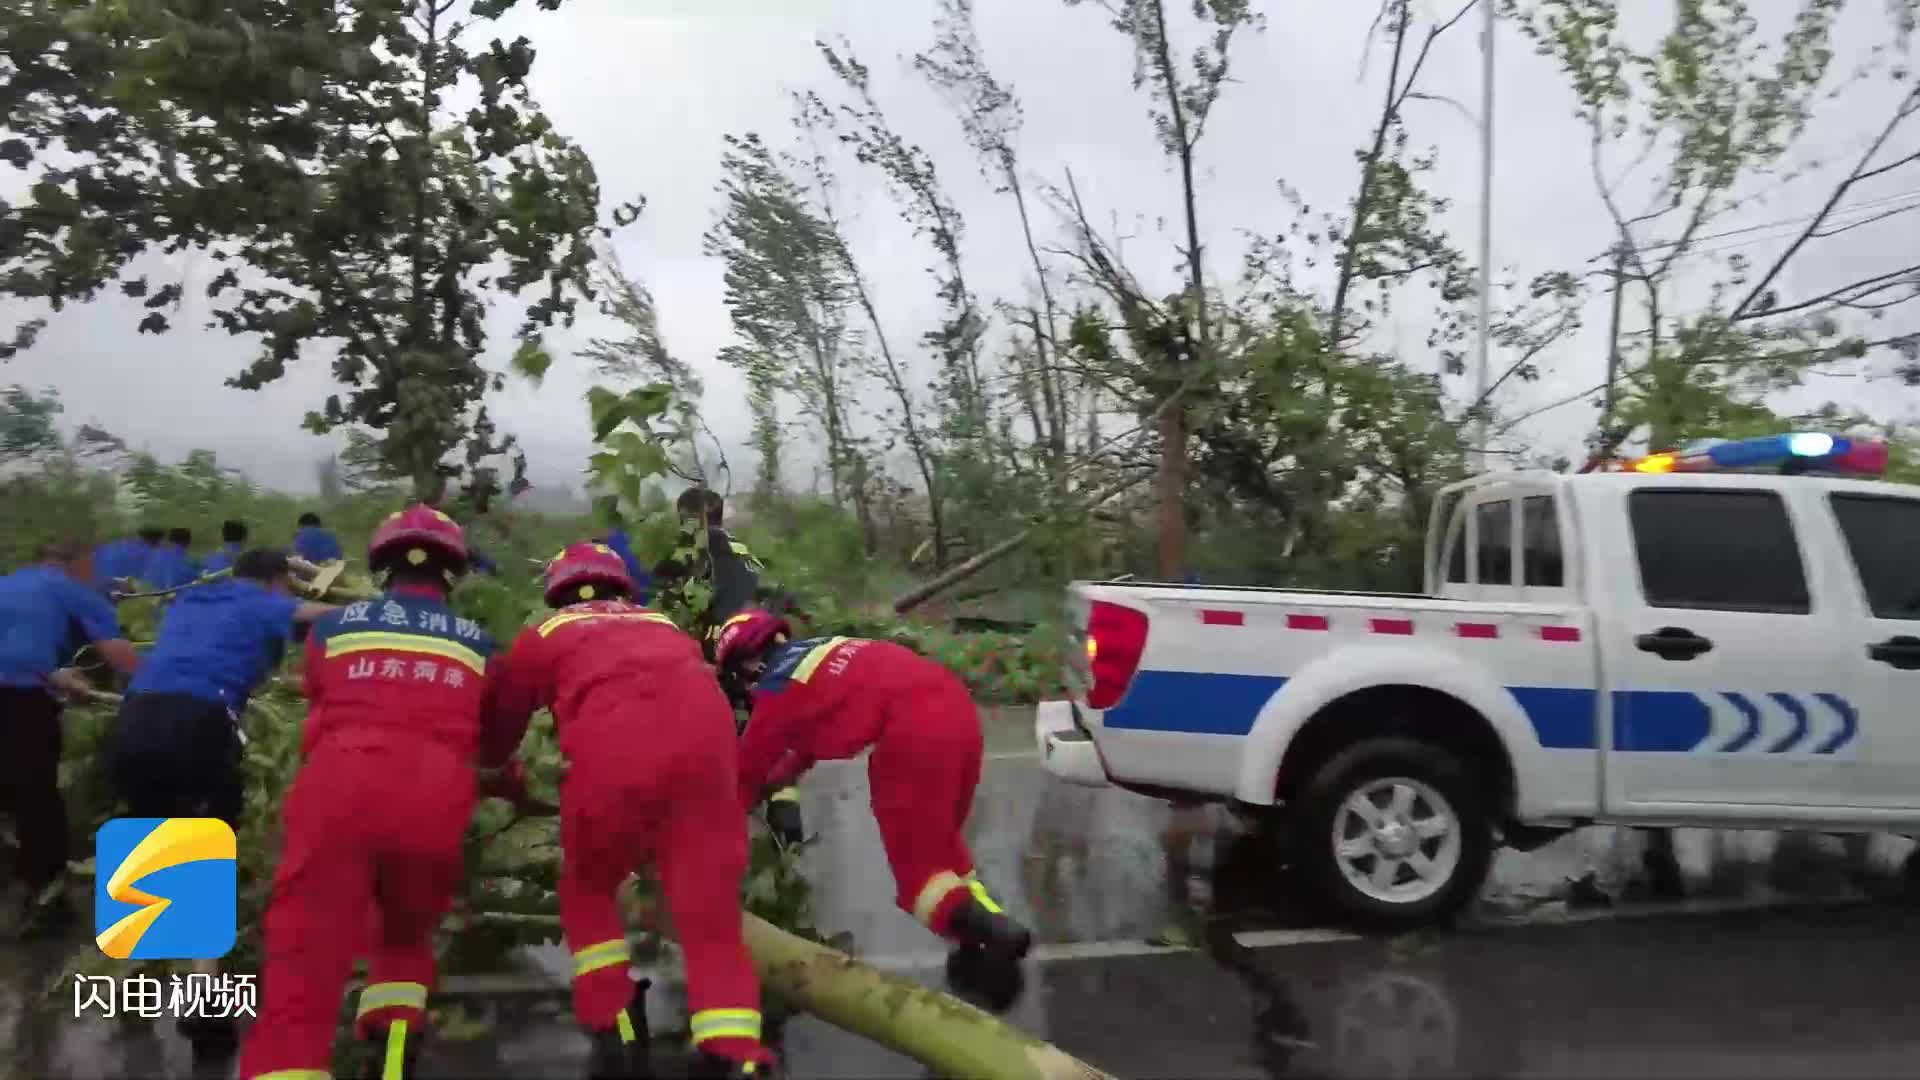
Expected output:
(785, 794)
(294, 1074)
(604, 955)
(935, 890)
(625, 1023)
(396, 1064)
(979, 892)
(372, 640)
(815, 657)
(392, 995)
(740, 618)
(725, 1024)
(558, 621)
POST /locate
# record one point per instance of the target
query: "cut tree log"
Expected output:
(941, 1032)
(948, 1036)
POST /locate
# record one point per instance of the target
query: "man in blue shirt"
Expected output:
(622, 546)
(177, 753)
(314, 543)
(170, 566)
(47, 610)
(125, 559)
(233, 537)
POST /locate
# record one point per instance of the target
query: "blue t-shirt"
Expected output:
(220, 559)
(316, 544)
(126, 558)
(218, 642)
(169, 567)
(642, 578)
(42, 612)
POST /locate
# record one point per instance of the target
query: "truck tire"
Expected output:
(1393, 834)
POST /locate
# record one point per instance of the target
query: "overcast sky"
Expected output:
(650, 86)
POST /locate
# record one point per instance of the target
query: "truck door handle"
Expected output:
(1899, 652)
(1673, 643)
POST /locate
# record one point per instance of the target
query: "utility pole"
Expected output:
(1613, 342)
(1480, 376)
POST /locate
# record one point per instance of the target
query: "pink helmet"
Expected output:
(585, 564)
(415, 535)
(747, 635)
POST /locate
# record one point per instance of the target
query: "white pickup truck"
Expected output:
(1663, 645)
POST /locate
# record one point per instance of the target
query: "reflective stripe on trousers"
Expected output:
(603, 955)
(725, 1024)
(392, 995)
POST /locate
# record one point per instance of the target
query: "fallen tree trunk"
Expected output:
(948, 1036)
(918, 595)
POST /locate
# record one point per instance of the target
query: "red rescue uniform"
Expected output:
(827, 699)
(649, 742)
(374, 821)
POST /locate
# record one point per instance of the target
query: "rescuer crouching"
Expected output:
(827, 699)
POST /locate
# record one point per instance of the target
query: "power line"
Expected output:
(1838, 211)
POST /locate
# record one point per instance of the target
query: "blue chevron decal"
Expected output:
(1849, 723)
(1799, 714)
(1747, 734)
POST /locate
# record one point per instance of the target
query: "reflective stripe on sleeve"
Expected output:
(625, 1023)
(785, 794)
(725, 1024)
(935, 890)
(392, 995)
(604, 955)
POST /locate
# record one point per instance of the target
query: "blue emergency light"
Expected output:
(1804, 451)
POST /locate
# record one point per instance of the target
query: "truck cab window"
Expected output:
(1883, 535)
(1495, 522)
(1540, 536)
(1717, 550)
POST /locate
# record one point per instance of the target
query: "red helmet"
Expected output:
(747, 635)
(415, 535)
(585, 564)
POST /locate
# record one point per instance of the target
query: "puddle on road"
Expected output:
(1079, 865)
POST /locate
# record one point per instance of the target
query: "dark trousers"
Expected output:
(177, 756)
(30, 783)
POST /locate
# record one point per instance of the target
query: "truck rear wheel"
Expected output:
(1393, 834)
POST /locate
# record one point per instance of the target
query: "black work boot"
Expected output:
(984, 966)
(622, 1053)
(703, 1065)
(214, 1038)
(388, 1048)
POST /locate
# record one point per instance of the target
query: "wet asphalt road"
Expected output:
(1170, 949)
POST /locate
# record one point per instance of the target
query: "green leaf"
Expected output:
(531, 360)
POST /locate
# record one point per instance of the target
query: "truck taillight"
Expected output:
(1116, 636)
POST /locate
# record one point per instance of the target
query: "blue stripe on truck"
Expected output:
(1644, 721)
(1193, 702)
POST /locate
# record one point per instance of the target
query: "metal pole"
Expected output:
(1613, 347)
(1486, 234)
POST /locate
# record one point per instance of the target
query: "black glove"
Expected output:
(783, 820)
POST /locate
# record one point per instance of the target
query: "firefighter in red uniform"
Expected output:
(649, 743)
(827, 699)
(377, 814)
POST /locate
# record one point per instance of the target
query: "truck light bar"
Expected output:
(1805, 451)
